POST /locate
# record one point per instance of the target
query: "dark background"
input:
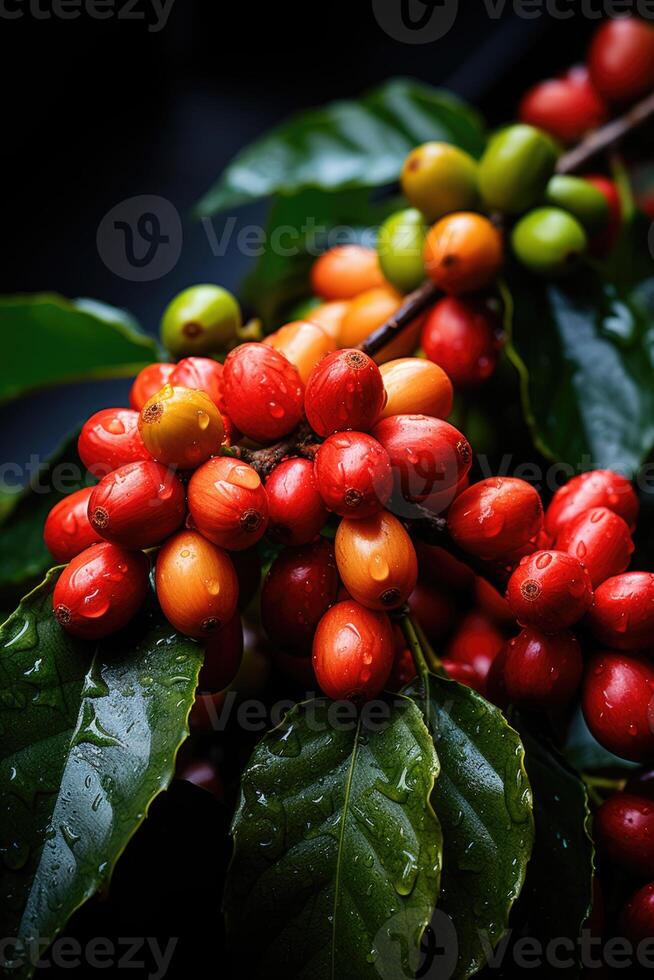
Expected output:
(98, 111)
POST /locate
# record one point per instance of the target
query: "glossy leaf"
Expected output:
(585, 351)
(346, 145)
(56, 340)
(585, 754)
(484, 804)
(90, 733)
(557, 896)
(336, 848)
(24, 558)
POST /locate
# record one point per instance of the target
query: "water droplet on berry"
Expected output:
(115, 427)
(379, 568)
(203, 420)
(543, 560)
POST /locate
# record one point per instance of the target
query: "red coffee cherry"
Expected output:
(148, 382)
(196, 584)
(301, 585)
(353, 652)
(462, 336)
(476, 642)
(296, 509)
(498, 519)
(603, 241)
(344, 391)
(599, 488)
(429, 458)
(433, 608)
(465, 674)
(138, 505)
(440, 567)
(617, 695)
(549, 591)
(228, 503)
(537, 671)
(353, 473)
(110, 439)
(100, 590)
(222, 657)
(567, 108)
(621, 59)
(200, 374)
(600, 539)
(202, 772)
(624, 830)
(491, 603)
(638, 915)
(376, 560)
(67, 530)
(263, 392)
(623, 612)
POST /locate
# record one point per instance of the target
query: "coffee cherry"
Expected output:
(638, 915)
(549, 241)
(491, 603)
(415, 386)
(463, 337)
(353, 474)
(581, 198)
(440, 567)
(623, 612)
(138, 505)
(296, 509)
(353, 652)
(463, 253)
(345, 271)
(549, 591)
(366, 313)
(196, 584)
(536, 671)
(100, 590)
(109, 439)
(263, 392)
(600, 540)
(617, 703)
(303, 343)
(200, 374)
(228, 503)
(476, 642)
(345, 391)
(433, 608)
(464, 674)
(498, 519)
(181, 427)
(515, 168)
(567, 108)
(400, 245)
(301, 585)
(223, 655)
(329, 316)
(202, 319)
(403, 670)
(67, 530)
(429, 458)
(376, 560)
(603, 241)
(624, 830)
(148, 382)
(621, 59)
(438, 178)
(599, 488)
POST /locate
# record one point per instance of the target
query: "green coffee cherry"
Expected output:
(438, 178)
(581, 199)
(515, 169)
(549, 241)
(200, 320)
(400, 245)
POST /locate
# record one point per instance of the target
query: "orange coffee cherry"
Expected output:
(329, 316)
(376, 560)
(181, 427)
(303, 343)
(367, 312)
(345, 271)
(463, 253)
(415, 386)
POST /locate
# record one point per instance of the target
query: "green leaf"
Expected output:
(89, 738)
(558, 894)
(302, 222)
(337, 851)
(346, 145)
(483, 801)
(584, 752)
(55, 340)
(584, 348)
(24, 558)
